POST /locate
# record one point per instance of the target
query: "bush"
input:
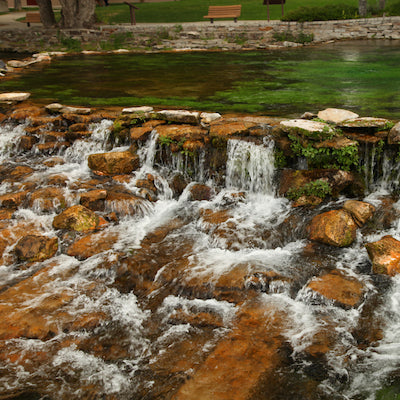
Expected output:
(339, 11)
(393, 9)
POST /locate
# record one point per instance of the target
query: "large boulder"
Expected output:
(113, 163)
(14, 96)
(336, 228)
(76, 218)
(32, 248)
(360, 210)
(48, 199)
(394, 134)
(385, 255)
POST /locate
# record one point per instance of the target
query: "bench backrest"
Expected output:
(32, 17)
(225, 10)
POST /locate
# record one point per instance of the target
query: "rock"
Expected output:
(26, 143)
(114, 163)
(200, 192)
(137, 110)
(336, 228)
(336, 115)
(14, 96)
(18, 63)
(141, 133)
(360, 210)
(54, 107)
(59, 108)
(305, 127)
(50, 199)
(92, 244)
(337, 142)
(181, 116)
(178, 184)
(206, 118)
(394, 134)
(76, 218)
(124, 203)
(181, 132)
(385, 255)
(308, 115)
(94, 199)
(227, 129)
(13, 200)
(344, 290)
(367, 123)
(33, 248)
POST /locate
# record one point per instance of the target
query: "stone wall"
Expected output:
(222, 35)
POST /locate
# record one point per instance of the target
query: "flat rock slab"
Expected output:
(336, 115)
(14, 96)
(365, 122)
(181, 116)
(135, 110)
(305, 126)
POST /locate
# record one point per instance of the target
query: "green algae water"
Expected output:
(362, 76)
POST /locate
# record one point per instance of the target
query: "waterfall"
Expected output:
(250, 166)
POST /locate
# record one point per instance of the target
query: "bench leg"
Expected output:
(212, 20)
(28, 24)
(235, 19)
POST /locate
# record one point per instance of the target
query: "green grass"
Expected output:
(194, 10)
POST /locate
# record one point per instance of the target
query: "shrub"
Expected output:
(332, 12)
(318, 188)
(393, 9)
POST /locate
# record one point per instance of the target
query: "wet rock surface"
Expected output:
(172, 268)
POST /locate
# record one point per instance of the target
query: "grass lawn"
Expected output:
(194, 10)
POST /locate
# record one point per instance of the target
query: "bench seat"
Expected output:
(224, 12)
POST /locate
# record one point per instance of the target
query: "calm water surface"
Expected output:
(359, 75)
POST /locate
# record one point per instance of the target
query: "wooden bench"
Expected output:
(31, 17)
(224, 12)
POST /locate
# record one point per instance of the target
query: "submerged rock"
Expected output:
(336, 228)
(385, 255)
(344, 290)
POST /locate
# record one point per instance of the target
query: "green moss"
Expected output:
(318, 188)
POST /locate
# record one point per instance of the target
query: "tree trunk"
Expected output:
(46, 13)
(382, 4)
(77, 13)
(17, 5)
(362, 8)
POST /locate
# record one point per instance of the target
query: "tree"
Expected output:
(381, 4)
(362, 8)
(17, 5)
(77, 13)
(46, 13)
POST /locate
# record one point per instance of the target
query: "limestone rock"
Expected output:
(76, 218)
(336, 115)
(137, 110)
(206, 118)
(226, 129)
(114, 163)
(33, 248)
(307, 127)
(59, 108)
(336, 228)
(48, 199)
(337, 142)
(13, 200)
(18, 63)
(344, 290)
(365, 123)
(360, 210)
(385, 255)
(14, 96)
(181, 116)
(394, 134)
(181, 132)
(124, 203)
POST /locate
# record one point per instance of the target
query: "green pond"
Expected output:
(362, 76)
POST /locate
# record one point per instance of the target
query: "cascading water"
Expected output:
(184, 283)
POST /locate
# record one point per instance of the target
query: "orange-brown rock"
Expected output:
(51, 162)
(124, 203)
(336, 228)
(27, 142)
(92, 244)
(25, 113)
(360, 210)
(33, 248)
(76, 218)
(48, 199)
(345, 291)
(140, 133)
(240, 360)
(200, 192)
(193, 145)
(114, 163)
(51, 147)
(228, 129)
(13, 200)
(385, 255)
(6, 214)
(181, 132)
(94, 199)
(21, 171)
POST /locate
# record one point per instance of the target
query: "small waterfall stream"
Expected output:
(180, 279)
